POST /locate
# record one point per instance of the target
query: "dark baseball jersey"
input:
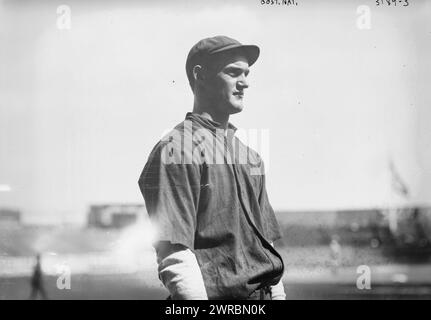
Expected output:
(205, 189)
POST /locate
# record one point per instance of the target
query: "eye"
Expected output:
(236, 72)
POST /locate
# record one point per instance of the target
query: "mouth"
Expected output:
(239, 94)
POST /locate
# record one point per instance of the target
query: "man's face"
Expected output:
(226, 83)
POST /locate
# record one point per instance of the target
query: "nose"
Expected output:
(242, 82)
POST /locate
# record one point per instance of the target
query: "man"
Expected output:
(205, 190)
(37, 281)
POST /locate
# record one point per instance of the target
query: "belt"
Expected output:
(258, 294)
(261, 294)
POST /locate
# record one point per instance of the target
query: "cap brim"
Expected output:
(251, 51)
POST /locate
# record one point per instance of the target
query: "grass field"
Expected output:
(308, 276)
(133, 286)
(118, 264)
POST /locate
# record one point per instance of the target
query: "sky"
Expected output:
(82, 107)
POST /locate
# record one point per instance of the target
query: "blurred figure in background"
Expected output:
(335, 248)
(419, 232)
(37, 280)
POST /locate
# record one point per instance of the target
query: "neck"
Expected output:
(209, 112)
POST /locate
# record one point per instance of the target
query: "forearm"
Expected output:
(180, 273)
(277, 291)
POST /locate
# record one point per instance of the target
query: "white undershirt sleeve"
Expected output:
(180, 272)
(277, 291)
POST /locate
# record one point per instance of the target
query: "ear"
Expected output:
(198, 73)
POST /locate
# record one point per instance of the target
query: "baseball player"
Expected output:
(205, 190)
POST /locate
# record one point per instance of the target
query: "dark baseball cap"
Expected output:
(205, 48)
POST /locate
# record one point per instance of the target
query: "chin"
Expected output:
(235, 108)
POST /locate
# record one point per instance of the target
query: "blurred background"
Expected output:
(342, 88)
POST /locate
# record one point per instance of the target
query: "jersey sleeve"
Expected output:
(171, 192)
